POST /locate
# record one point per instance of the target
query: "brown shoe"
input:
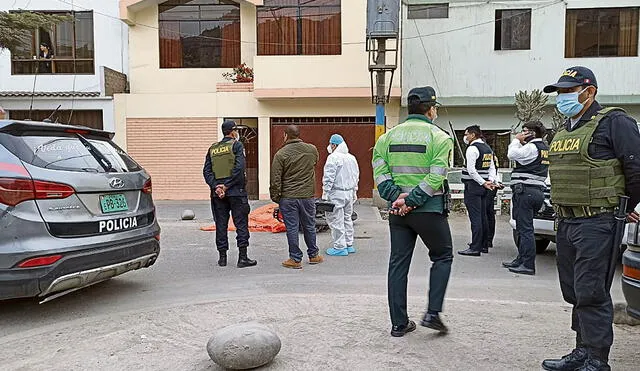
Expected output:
(316, 259)
(290, 263)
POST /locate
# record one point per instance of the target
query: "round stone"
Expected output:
(188, 215)
(243, 346)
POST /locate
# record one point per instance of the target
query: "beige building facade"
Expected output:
(310, 69)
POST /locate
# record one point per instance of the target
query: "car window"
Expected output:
(63, 151)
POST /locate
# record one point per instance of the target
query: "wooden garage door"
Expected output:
(173, 152)
(358, 132)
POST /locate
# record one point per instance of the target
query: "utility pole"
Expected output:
(383, 26)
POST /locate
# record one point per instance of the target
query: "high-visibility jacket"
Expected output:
(413, 157)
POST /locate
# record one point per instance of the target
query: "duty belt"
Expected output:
(580, 211)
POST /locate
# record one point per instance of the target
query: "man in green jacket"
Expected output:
(293, 180)
(410, 164)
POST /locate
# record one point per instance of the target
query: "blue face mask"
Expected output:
(568, 103)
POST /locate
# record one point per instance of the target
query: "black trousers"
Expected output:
(584, 251)
(433, 230)
(475, 200)
(491, 215)
(239, 208)
(526, 201)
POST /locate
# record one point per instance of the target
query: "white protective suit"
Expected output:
(339, 186)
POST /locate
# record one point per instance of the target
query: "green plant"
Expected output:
(15, 26)
(242, 73)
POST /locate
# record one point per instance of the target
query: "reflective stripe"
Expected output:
(383, 178)
(408, 148)
(516, 175)
(438, 170)
(407, 189)
(378, 162)
(409, 170)
(529, 182)
(428, 190)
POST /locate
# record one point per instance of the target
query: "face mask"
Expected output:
(465, 140)
(329, 149)
(568, 103)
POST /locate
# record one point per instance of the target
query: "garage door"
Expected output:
(358, 132)
(173, 152)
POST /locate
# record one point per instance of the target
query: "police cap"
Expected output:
(572, 77)
(228, 126)
(426, 94)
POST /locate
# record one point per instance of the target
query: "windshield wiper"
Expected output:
(102, 160)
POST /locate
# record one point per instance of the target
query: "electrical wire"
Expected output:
(323, 44)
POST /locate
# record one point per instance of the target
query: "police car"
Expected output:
(75, 210)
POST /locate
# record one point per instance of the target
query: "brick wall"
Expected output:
(234, 87)
(114, 82)
(173, 151)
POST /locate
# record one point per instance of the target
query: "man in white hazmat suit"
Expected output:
(339, 186)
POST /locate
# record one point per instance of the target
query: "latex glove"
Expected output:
(355, 196)
(324, 196)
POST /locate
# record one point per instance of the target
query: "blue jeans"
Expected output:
(296, 212)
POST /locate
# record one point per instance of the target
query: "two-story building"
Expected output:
(310, 69)
(478, 54)
(75, 67)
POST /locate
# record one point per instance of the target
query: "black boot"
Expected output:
(222, 261)
(434, 322)
(243, 259)
(594, 364)
(570, 362)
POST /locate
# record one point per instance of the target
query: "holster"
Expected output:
(446, 197)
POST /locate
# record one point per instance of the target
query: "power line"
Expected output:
(324, 44)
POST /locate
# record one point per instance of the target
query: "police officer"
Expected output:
(595, 159)
(490, 206)
(528, 178)
(224, 172)
(410, 164)
(478, 178)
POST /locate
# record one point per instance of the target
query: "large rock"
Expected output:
(243, 346)
(188, 215)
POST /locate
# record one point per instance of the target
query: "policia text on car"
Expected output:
(410, 164)
(594, 163)
(224, 172)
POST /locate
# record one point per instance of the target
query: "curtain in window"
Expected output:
(570, 34)
(170, 45)
(628, 36)
(321, 31)
(277, 31)
(230, 45)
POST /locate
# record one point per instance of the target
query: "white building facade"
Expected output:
(478, 54)
(86, 63)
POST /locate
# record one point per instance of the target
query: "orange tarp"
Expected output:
(260, 220)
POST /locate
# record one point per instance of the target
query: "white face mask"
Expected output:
(329, 149)
(465, 140)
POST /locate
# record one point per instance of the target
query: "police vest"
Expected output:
(483, 163)
(534, 173)
(222, 158)
(579, 181)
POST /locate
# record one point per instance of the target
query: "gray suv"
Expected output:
(75, 210)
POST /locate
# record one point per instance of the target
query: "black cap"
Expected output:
(572, 77)
(228, 126)
(426, 94)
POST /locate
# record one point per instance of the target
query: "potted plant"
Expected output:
(242, 73)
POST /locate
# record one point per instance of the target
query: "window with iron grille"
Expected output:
(430, 11)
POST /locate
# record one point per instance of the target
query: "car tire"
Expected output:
(541, 243)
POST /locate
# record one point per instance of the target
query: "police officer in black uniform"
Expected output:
(595, 159)
(478, 178)
(528, 178)
(224, 172)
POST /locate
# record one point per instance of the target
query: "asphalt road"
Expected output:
(330, 316)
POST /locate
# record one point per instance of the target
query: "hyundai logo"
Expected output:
(116, 183)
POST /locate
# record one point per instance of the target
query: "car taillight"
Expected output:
(40, 261)
(631, 272)
(49, 190)
(14, 190)
(147, 188)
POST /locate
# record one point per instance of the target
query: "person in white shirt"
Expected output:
(528, 178)
(478, 177)
(339, 186)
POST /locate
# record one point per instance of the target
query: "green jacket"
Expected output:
(413, 158)
(293, 171)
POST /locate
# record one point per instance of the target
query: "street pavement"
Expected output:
(332, 316)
